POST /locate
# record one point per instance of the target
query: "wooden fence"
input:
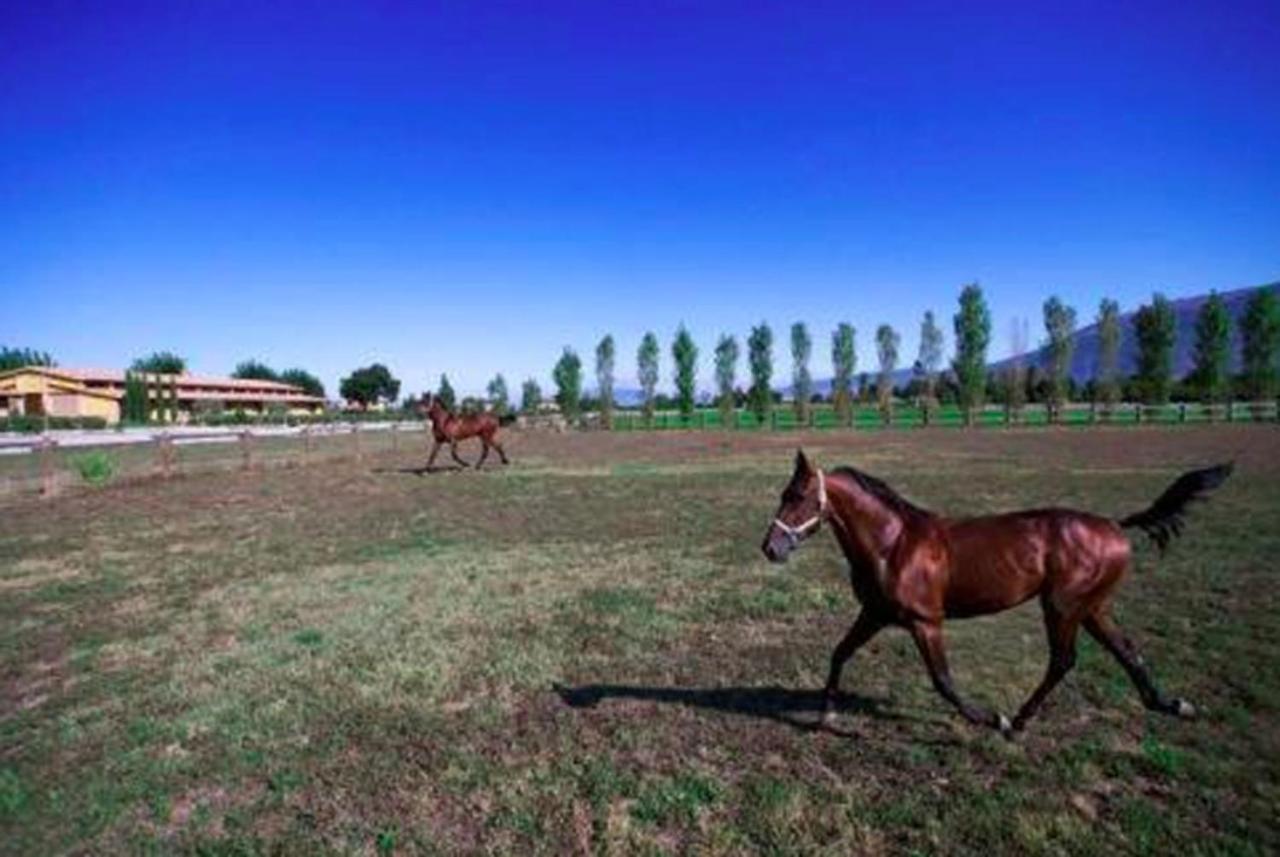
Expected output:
(783, 417)
(43, 464)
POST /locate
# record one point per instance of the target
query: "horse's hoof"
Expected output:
(1184, 709)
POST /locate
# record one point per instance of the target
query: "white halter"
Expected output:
(801, 530)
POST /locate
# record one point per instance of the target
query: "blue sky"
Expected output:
(467, 187)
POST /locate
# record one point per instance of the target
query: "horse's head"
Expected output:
(800, 513)
(429, 406)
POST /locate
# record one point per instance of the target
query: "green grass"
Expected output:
(586, 652)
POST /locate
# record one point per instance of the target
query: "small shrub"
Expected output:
(95, 468)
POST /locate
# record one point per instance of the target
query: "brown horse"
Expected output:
(448, 428)
(913, 569)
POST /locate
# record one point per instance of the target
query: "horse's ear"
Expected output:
(802, 463)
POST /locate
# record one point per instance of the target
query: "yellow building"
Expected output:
(59, 392)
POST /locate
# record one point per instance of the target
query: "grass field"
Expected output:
(585, 652)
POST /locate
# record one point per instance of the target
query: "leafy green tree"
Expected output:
(930, 355)
(647, 372)
(530, 396)
(1155, 327)
(1060, 328)
(1107, 377)
(498, 395)
(844, 362)
(973, 335)
(605, 354)
(1260, 346)
(446, 394)
(254, 370)
(726, 375)
(369, 386)
(684, 353)
(887, 342)
(160, 362)
(1015, 375)
(801, 380)
(760, 358)
(16, 358)
(568, 377)
(1211, 371)
(309, 383)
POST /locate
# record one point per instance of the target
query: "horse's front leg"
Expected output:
(453, 449)
(435, 450)
(863, 629)
(928, 637)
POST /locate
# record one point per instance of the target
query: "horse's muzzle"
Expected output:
(777, 546)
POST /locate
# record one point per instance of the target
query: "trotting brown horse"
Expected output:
(448, 428)
(913, 569)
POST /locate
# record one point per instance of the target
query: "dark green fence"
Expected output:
(870, 418)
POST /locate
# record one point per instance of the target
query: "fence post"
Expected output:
(48, 479)
(395, 437)
(355, 439)
(163, 451)
(306, 442)
(246, 450)
(1182, 412)
(1231, 410)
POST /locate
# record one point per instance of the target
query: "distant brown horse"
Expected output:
(913, 569)
(448, 428)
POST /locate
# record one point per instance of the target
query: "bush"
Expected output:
(31, 424)
(95, 468)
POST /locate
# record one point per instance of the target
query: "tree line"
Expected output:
(968, 381)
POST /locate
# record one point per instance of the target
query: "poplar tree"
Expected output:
(1156, 327)
(568, 378)
(684, 353)
(446, 395)
(1210, 373)
(844, 361)
(973, 335)
(604, 379)
(498, 394)
(887, 341)
(647, 372)
(1060, 327)
(801, 380)
(760, 358)
(530, 396)
(1260, 344)
(726, 372)
(1107, 378)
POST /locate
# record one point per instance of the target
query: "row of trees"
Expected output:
(969, 380)
(256, 370)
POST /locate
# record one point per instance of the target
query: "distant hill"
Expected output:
(1084, 360)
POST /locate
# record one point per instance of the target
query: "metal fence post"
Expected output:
(355, 439)
(246, 450)
(395, 437)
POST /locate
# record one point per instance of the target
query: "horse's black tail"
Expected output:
(506, 419)
(1163, 520)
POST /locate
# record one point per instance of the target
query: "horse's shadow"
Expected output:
(779, 704)
(421, 471)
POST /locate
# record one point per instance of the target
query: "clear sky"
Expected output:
(466, 187)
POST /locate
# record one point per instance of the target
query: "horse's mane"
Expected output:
(880, 489)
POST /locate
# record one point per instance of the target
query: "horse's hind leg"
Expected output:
(1062, 632)
(432, 458)
(484, 452)
(1106, 632)
(928, 637)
